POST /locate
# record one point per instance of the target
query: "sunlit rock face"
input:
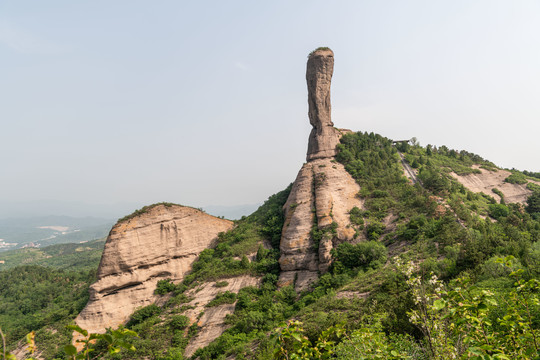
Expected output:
(324, 137)
(323, 193)
(161, 243)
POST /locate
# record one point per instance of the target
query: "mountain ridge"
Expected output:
(326, 252)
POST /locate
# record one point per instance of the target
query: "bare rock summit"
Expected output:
(162, 242)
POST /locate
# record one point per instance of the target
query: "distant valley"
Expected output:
(40, 231)
(37, 232)
(70, 256)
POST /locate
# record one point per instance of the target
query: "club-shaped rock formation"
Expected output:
(324, 137)
(317, 210)
(164, 241)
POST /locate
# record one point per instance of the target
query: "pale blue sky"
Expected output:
(205, 103)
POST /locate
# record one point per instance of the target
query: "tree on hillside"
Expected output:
(533, 203)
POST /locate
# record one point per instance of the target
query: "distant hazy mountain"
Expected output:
(38, 208)
(76, 209)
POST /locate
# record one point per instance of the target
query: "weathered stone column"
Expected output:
(324, 137)
(323, 193)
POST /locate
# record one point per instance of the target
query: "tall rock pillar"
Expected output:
(317, 210)
(324, 137)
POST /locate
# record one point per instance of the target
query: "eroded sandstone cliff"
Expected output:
(317, 210)
(160, 243)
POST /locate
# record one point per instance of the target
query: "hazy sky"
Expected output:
(205, 102)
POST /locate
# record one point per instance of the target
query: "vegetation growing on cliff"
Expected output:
(258, 236)
(433, 259)
(363, 306)
(144, 210)
(445, 236)
(516, 178)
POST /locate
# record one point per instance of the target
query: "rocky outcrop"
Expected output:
(161, 243)
(324, 137)
(487, 180)
(317, 210)
(318, 207)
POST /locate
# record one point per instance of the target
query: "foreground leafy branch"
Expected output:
(115, 340)
(457, 320)
(295, 345)
(6, 355)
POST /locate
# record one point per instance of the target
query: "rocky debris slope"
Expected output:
(317, 210)
(160, 243)
(487, 180)
(212, 322)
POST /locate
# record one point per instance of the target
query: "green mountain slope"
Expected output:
(365, 297)
(428, 283)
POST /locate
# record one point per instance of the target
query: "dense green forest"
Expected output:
(75, 256)
(43, 290)
(42, 299)
(445, 274)
(448, 233)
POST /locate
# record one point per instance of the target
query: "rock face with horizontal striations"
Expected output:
(317, 210)
(161, 243)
